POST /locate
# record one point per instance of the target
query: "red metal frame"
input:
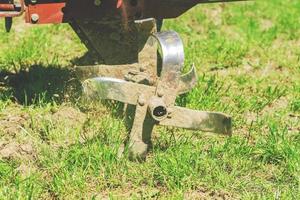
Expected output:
(48, 13)
(59, 11)
(9, 10)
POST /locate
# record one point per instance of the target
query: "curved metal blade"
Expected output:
(172, 58)
(199, 120)
(116, 71)
(115, 89)
(188, 81)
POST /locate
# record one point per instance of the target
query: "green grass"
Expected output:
(248, 59)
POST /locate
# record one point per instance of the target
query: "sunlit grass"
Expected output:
(247, 57)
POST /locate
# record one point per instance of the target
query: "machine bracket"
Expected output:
(154, 100)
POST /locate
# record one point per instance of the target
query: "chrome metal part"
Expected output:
(188, 81)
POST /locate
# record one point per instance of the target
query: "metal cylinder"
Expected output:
(158, 109)
(7, 7)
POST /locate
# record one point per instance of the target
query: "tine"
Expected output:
(199, 120)
(172, 53)
(117, 71)
(188, 81)
(115, 89)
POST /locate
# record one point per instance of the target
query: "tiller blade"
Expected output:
(153, 95)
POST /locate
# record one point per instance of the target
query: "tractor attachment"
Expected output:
(140, 66)
(152, 87)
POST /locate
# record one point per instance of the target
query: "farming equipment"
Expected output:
(136, 63)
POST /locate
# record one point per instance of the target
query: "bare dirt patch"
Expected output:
(23, 153)
(279, 104)
(266, 24)
(12, 149)
(130, 193)
(69, 115)
(12, 121)
(207, 194)
(67, 122)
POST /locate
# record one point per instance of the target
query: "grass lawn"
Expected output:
(54, 145)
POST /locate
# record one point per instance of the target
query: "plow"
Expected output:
(135, 62)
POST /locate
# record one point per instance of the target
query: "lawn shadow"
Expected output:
(38, 83)
(43, 84)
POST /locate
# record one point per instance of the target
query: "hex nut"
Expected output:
(141, 101)
(35, 18)
(160, 93)
(142, 68)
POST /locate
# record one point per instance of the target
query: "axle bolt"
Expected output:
(143, 68)
(160, 93)
(170, 112)
(151, 81)
(35, 18)
(141, 101)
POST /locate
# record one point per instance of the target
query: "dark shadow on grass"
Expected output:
(47, 84)
(87, 59)
(38, 84)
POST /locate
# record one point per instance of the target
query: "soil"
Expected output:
(69, 115)
(12, 149)
(12, 121)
